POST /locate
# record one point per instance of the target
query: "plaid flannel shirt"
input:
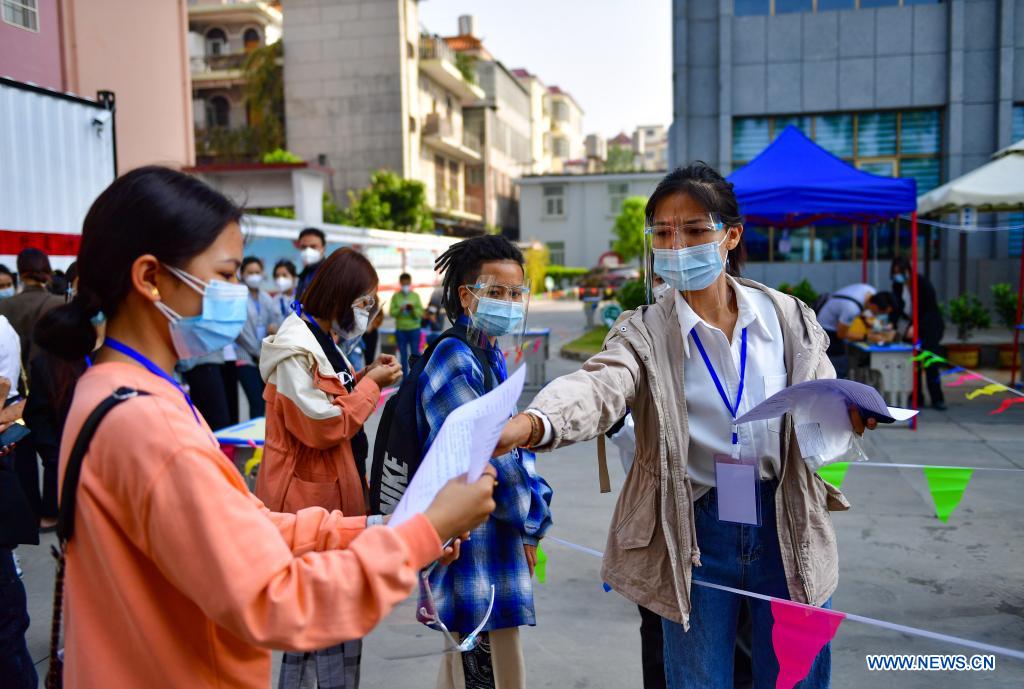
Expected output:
(494, 554)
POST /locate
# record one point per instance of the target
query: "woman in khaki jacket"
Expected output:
(734, 342)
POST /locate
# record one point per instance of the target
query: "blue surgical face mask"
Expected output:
(691, 269)
(6, 292)
(218, 325)
(899, 278)
(495, 317)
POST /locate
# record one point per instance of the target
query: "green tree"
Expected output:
(538, 258)
(620, 159)
(629, 228)
(263, 71)
(390, 203)
(466, 64)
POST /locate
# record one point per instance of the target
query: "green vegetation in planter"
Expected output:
(565, 274)
(801, 290)
(629, 229)
(1005, 304)
(280, 155)
(968, 314)
(632, 295)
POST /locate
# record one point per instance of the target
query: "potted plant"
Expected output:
(968, 314)
(1005, 305)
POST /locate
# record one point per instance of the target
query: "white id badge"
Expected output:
(736, 481)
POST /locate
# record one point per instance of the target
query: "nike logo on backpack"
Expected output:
(393, 482)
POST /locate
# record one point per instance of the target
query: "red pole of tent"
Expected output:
(1020, 308)
(914, 302)
(864, 254)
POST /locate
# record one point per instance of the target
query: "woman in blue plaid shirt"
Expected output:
(503, 551)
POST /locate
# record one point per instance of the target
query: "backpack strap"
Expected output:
(847, 298)
(459, 333)
(66, 520)
(603, 480)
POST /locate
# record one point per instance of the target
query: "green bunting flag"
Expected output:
(947, 486)
(541, 570)
(834, 473)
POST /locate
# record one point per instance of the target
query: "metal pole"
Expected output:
(1020, 308)
(915, 301)
(864, 254)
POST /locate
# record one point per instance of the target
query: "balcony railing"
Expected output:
(471, 141)
(435, 48)
(219, 63)
(436, 125)
(473, 204)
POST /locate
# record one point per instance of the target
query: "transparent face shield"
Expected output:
(686, 255)
(497, 312)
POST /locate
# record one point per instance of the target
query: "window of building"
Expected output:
(440, 186)
(617, 193)
(561, 111)
(557, 251)
(767, 7)
(23, 13)
(554, 200)
(561, 147)
(789, 6)
(251, 40)
(1018, 123)
(216, 42)
(218, 112)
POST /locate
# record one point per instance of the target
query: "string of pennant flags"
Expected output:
(927, 359)
(800, 631)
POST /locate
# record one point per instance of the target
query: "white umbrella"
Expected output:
(993, 187)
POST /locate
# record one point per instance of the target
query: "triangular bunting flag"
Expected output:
(963, 379)
(1007, 403)
(541, 570)
(834, 473)
(951, 371)
(798, 635)
(922, 356)
(607, 588)
(253, 462)
(990, 389)
(947, 486)
(933, 360)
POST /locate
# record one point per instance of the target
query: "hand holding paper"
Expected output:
(462, 446)
(821, 412)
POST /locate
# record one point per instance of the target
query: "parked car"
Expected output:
(603, 282)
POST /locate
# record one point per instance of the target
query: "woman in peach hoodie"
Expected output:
(317, 403)
(176, 575)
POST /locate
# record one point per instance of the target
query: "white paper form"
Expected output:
(805, 395)
(464, 445)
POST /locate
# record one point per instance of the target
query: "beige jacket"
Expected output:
(652, 543)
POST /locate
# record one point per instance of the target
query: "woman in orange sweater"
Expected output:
(176, 575)
(317, 403)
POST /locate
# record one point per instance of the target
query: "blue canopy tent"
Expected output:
(794, 182)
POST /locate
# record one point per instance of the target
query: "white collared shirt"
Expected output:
(710, 423)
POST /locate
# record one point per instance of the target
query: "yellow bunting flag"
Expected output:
(989, 389)
(254, 461)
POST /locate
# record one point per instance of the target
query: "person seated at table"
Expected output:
(840, 313)
(929, 317)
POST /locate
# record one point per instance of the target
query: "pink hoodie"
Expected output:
(179, 577)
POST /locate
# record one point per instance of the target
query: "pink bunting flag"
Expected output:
(423, 340)
(536, 345)
(798, 635)
(385, 394)
(1007, 403)
(964, 378)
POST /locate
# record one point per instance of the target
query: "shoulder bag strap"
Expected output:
(66, 519)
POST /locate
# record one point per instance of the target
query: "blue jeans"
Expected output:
(742, 557)
(16, 668)
(408, 344)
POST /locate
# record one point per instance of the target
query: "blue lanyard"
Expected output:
(733, 409)
(284, 309)
(121, 347)
(256, 303)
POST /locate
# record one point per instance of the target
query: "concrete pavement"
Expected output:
(897, 561)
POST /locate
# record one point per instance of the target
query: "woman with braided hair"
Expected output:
(483, 296)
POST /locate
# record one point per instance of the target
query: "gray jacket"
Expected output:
(652, 544)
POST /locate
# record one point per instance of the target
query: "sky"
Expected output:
(613, 56)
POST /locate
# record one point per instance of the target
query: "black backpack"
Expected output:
(397, 450)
